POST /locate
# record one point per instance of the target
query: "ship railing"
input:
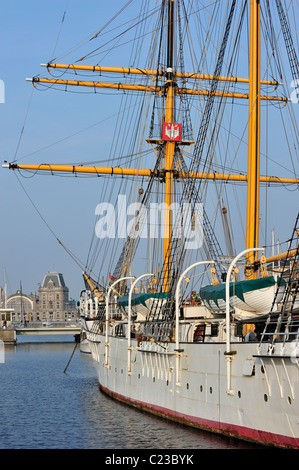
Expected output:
(284, 336)
(289, 331)
(229, 353)
(159, 331)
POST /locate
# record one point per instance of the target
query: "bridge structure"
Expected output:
(48, 331)
(61, 328)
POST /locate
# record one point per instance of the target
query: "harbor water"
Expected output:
(42, 407)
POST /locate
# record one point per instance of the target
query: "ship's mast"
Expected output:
(253, 187)
(168, 152)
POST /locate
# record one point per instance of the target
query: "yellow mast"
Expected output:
(100, 170)
(253, 189)
(154, 73)
(169, 151)
(93, 286)
(150, 88)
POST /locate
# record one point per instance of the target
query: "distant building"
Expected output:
(51, 304)
(22, 305)
(54, 303)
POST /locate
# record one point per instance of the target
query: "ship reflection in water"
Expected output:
(47, 409)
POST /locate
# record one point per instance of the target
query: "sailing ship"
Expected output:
(168, 323)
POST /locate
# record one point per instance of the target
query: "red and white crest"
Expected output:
(172, 131)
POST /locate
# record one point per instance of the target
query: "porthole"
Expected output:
(154, 380)
(266, 397)
(138, 376)
(201, 388)
(262, 369)
(239, 394)
(211, 390)
(187, 386)
(167, 382)
(289, 400)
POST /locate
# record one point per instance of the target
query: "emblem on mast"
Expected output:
(172, 131)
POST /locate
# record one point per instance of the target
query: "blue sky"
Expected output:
(29, 35)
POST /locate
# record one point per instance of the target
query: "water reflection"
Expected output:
(46, 408)
(118, 426)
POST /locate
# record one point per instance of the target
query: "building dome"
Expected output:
(54, 279)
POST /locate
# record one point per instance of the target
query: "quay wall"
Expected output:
(8, 336)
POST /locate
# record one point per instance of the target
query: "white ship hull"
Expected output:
(86, 324)
(84, 347)
(265, 389)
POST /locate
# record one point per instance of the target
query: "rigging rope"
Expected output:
(23, 127)
(60, 29)
(75, 259)
(117, 143)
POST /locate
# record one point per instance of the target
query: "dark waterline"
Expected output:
(44, 408)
